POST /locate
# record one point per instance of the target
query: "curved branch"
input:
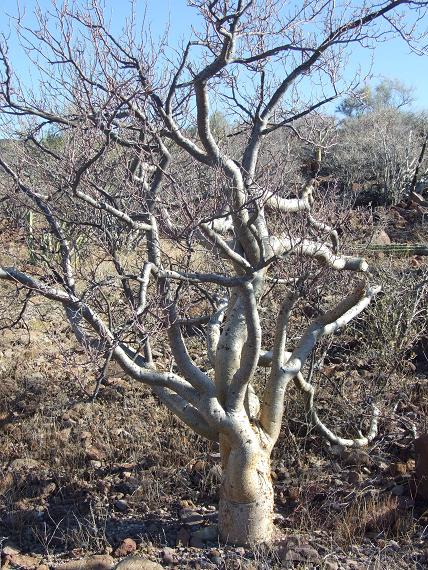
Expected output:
(225, 248)
(283, 372)
(308, 391)
(322, 226)
(184, 362)
(292, 205)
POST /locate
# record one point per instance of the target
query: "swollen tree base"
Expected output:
(246, 524)
(245, 515)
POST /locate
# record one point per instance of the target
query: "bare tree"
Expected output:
(382, 151)
(179, 220)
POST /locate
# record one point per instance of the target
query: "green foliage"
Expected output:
(219, 125)
(46, 247)
(388, 94)
(53, 140)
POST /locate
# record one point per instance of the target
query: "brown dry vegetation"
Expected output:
(67, 463)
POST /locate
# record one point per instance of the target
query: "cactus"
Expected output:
(47, 247)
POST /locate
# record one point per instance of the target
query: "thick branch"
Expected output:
(283, 372)
(318, 251)
(250, 352)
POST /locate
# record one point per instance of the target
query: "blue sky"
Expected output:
(391, 59)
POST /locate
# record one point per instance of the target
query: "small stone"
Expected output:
(190, 516)
(330, 565)
(303, 553)
(381, 238)
(357, 457)
(94, 453)
(168, 556)
(337, 450)
(127, 546)
(121, 505)
(354, 477)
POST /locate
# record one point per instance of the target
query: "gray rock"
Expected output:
(330, 565)
(295, 550)
(196, 542)
(357, 457)
(355, 477)
(23, 464)
(381, 238)
(101, 562)
(127, 546)
(190, 516)
(121, 505)
(183, 537)
(398, 490)
(337, 450)
(206, 533)
(168, 555)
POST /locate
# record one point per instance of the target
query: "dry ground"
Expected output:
(78, 477)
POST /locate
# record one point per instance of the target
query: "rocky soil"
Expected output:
(119, 482)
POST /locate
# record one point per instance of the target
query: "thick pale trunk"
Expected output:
(246, 497)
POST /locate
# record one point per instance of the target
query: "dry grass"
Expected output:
(79, 458)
